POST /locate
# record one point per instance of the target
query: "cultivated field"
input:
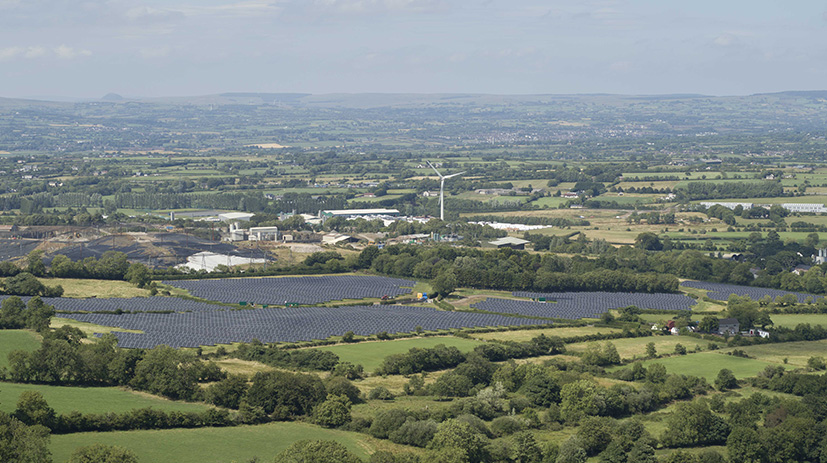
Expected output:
(95, 288)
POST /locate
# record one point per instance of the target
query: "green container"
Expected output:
(242, 302)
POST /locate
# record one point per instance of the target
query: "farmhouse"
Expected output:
(729, 326)
(801, 269)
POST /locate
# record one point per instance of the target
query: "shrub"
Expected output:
(333, 412)
(416, 433)
(100, 453)
(380, 393)
(506, 425)
(386, 422)
(319, 451)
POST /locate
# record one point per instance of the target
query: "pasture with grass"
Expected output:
(371, 354)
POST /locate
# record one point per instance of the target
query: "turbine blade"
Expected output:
(454, 175)
(434, 168)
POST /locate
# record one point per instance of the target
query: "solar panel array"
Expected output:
(721, 291)
(304, 290)
(287, 325)
(133, 304)
(575, 305)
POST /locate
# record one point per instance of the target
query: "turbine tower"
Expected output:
(442, 179)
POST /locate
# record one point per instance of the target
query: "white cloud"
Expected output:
(151, 53)
(66, 52)
(621, 66)
(10, 53)
(34, 52)
(39, 51)
(251, 8)
(150, 14)
(374, 6)
(726, 40)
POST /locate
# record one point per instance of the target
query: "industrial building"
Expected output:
(728, 205)
(235, 216)
(509, 242)
(805, 207)
(263, 233)
(336, 238)
(209, 261)
(347, 213)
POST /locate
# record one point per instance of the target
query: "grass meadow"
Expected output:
(16, 340)
(796, 353)
(636, 347)
(791, 320)
(215, 445)
(526, 335)
(91, 399)
(371, 354)
(708, 364)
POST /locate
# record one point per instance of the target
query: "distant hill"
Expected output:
(816, 94)
(112, 97)
(420, 100)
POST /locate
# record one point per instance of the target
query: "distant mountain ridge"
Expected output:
(378, 100)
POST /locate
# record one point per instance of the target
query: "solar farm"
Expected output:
(574, 306)
(180, 322)
(302, 290)
(195, 329)
(721, 291)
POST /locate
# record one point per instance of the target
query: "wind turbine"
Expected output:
(442, 179)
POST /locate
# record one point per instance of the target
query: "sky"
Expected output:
(88, 48)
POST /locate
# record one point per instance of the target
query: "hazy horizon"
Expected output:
(86, 49)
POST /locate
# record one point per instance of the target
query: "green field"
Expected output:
(550, 201)
(708, 364)
(796, 353)
(371, 354)
(214, 445)
(791, 320)
(632, 347)
(16, 340)
(526, 335)
(91, 399)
